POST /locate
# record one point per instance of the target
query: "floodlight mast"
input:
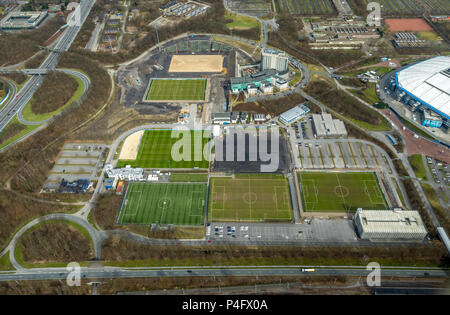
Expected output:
(157, 35)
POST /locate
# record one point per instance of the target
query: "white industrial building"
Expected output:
(294, 114)
(390, 225)
(428, 82)
(126, 173)
(274, 59)
(325, 126)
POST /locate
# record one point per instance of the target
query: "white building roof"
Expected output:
(391, 222)
(429, 81)
(294, 113)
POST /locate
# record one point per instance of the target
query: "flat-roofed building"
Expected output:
(259, 118)
(274, 59)
(17, 20)
(390, 225)
(263, 77)
(294, 114)
(281, 84)
(325, 126)
(221, 118)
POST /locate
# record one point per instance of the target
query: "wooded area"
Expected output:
(117, 249)
(55, 242)
(17, 47)
(55, 91)
(342, 103)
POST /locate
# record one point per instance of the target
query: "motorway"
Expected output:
(16, 104)
(116, 272)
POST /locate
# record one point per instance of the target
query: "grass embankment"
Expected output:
(62, 93)
(416, 129)
(440, 212)
(188, 177)
(5, 264)
(368, 94)
(15, 130)
(417, 165)
(241, 22)
(54, 244)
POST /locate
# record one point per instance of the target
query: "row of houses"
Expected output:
(238, 117)
(189, 9)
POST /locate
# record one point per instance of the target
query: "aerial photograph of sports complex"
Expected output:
(225, 148)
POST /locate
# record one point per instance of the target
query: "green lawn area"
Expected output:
(241, 22)
(155, 150)
(369, 94)
(188, 177)
(416, 162)
(176, 90)
(430, 36)
(297, 77)
(164, 203)
(384, 126)
(250, 198)
(340, 192)
(28, 114)
(5, 264)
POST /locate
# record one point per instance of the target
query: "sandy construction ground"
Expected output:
(131, 146)
(196, 63)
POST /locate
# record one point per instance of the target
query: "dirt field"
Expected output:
(131, 146)
(196, 63)
(413, 25)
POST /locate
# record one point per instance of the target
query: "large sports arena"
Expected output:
(428, 83)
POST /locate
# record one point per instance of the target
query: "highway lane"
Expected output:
(117, 272)
(30, 87)
(12, 92)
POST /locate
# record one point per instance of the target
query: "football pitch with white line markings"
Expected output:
(252, 197)
(176, 90)
(341, 191)
(163, 203)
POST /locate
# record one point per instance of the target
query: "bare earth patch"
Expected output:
(196, 63)
(131, 146)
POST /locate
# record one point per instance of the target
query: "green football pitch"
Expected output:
(176, 90)
(163, 203)
(253, 198)
(340, 192)
(155, 151)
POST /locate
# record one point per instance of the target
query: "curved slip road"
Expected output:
(86, 84)
(96, 236)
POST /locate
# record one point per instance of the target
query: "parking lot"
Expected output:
(77, 161)
(314, 230)
(339, 153)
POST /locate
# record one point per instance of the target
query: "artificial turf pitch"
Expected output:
(253, 198)
(340, 192)
(155, 151)
(163, 203)
(176, 90)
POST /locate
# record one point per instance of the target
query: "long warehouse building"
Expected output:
(428, 82)
(390, 225)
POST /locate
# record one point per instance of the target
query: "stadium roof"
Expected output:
(429, 83)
